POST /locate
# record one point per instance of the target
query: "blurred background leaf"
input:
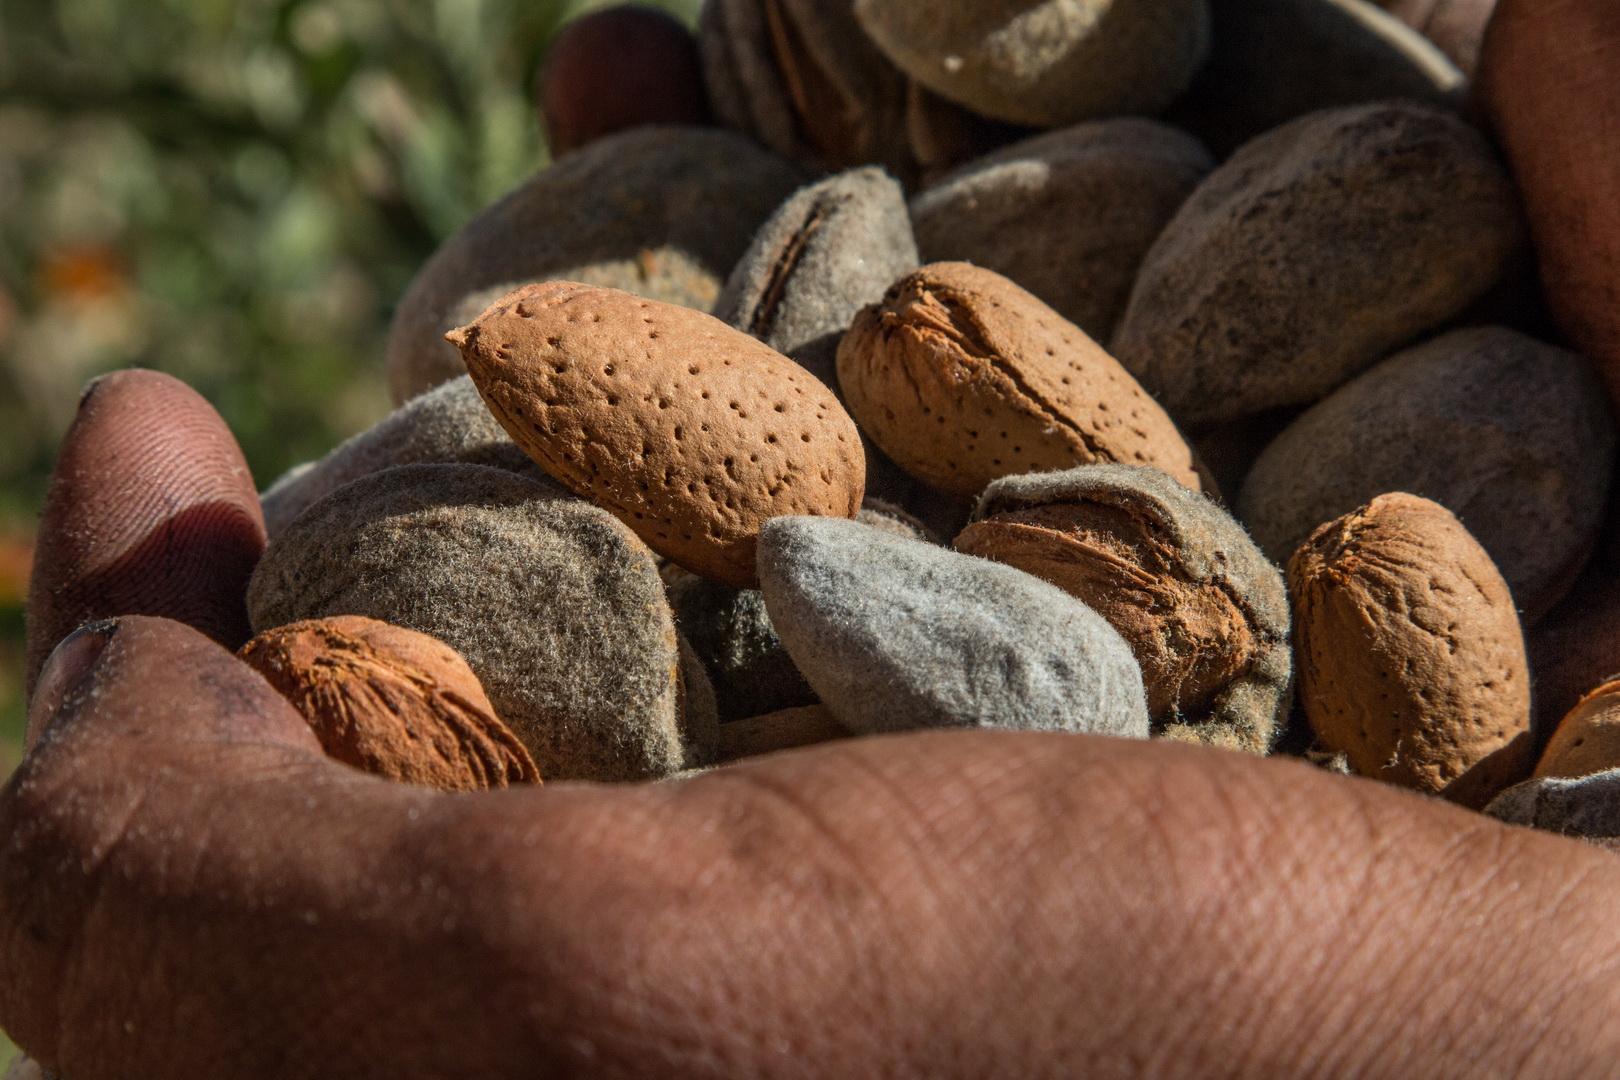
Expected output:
(235, 192)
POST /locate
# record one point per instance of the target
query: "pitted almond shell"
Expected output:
(690, 432)
(962, 377)
(1411, 658)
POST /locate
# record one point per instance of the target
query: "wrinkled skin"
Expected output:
(188, 889)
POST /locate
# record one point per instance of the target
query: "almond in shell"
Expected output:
(392, 702)
(690, 432)
(1411, 659)
(962, 377)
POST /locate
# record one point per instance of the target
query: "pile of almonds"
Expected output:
(1167, 369)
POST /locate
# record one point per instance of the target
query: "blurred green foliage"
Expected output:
(235, 192)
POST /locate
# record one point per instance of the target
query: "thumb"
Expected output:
(174, 822)
(151, 511)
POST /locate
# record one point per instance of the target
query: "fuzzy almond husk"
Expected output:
(1410, 654)
(1045, 64)
(1514, 436)
(392, 702)
(1314, 252)
(1068, 214)
(800, 77)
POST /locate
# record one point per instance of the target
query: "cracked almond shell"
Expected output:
(690, 432)
(1204, 612)
(1410, 656)
(392, 702)
(963, 377)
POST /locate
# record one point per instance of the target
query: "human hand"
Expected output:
(190, 889)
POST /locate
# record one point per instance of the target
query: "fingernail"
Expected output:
(89, 391)
(68, 668)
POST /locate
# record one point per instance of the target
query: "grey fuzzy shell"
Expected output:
(1311, 254)
(660, 212)
(1211, 547)
(1276, 60)
(1513, 436)
(1587, 807)
(731, 633)
(897, 634)
(749, 95)
(1069, 215)
(1045, 63)
(831, 249)
(449, 424)
(554, 604)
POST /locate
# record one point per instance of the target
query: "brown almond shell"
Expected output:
(1411, 659)
(690, 432)
(963, 377)
(1205, 613)
(392, 702)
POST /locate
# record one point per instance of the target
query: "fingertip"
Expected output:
(151, 510)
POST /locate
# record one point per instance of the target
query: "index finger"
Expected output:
(192, 890)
